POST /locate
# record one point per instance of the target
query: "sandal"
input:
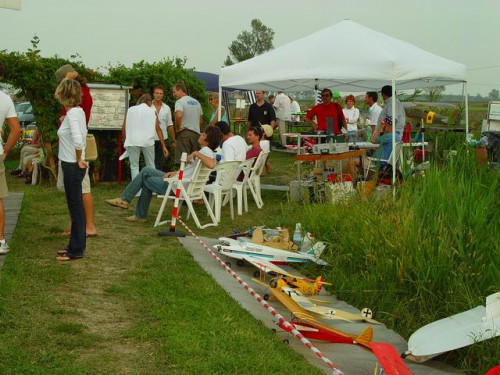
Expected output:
(62, 252)
(66, 258)
(118, 202)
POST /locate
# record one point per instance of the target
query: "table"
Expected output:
(299, 137)
(326, 157)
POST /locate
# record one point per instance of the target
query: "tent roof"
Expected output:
(374, 60)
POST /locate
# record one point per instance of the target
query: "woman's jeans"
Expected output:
(73, 177)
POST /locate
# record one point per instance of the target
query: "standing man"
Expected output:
(164, 115)
(283, 109)
(371, 99)
(295, 109)
(188, 121)
(67, 71)
(9, 115)
(139, 129)
(261, 112)
(385, 122)
(325, 112)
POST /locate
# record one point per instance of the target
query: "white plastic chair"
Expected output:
(254, 178)
(194, 191)
(374, 163)
(241, 186)
(222, 187)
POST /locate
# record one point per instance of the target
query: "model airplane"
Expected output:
(463, 329)
(322, 311)
(305, 285)
(243, 250)
(309, 327)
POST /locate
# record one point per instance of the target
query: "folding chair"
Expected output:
(374, 163)
(241, 186)
(227, 173)
(254, 178)
(194, 191)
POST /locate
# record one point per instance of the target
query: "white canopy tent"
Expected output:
(370, 62)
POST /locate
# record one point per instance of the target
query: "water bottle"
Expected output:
(368, 133)
(297, 235)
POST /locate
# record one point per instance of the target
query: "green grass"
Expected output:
(137, 303)
(140, 304)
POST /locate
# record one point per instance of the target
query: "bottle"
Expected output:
(297, 235)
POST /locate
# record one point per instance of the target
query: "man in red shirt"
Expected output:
(67, 71)
(323, 111)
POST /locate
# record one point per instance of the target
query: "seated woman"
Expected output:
(151, 180)
(31, 147)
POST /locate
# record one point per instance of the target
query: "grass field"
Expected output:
(139, 304)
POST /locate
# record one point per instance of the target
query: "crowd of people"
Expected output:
(150, 128)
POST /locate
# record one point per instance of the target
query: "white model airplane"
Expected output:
(463, 329)
(262, 256)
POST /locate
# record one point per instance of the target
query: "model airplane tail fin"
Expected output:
(365, 337)
(493, 306)
(317, 249)
(318, 284)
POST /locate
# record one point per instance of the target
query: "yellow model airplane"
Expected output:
(320, 311)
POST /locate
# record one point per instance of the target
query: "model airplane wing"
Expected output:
(323, 311)
(463, 329)
(389, 359)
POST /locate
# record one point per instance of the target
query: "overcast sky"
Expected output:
(126, 31)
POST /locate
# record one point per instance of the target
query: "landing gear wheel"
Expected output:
(266, 297)
(256, 274)
(240, 262)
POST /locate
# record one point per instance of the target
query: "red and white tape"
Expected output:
(267, 306)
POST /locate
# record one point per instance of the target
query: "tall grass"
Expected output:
(430, 253)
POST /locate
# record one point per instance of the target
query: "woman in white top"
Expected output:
(351, 115)
(72, 137)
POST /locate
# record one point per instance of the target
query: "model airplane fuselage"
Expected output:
(243, 249)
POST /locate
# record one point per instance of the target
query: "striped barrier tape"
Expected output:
(266, 305)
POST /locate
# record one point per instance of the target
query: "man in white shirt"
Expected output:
(295, 107)
(371, 99)
(188, 120)
(7, 114)
(166, 124)
(234, 147)
(139, 129)
(283, 108)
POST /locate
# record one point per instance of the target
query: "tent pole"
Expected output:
(466, 94)
(219, 112)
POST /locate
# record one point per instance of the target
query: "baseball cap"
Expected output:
(268, 130)
(62, 71)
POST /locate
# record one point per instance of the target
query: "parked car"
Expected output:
(24, 113)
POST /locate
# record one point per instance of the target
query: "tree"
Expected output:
(494, 94)
(33, 76)
(250, 43)
(434, 93)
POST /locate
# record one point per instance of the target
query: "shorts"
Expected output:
(4, 190)
(60, 180)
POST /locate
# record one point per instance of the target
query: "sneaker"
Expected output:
(118, 202)
(4, 249)
(135, 219)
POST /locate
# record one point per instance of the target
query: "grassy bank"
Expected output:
(429, 254)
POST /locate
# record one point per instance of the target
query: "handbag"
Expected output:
(90, 148)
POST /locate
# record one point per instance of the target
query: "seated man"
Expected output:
(151, 180)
